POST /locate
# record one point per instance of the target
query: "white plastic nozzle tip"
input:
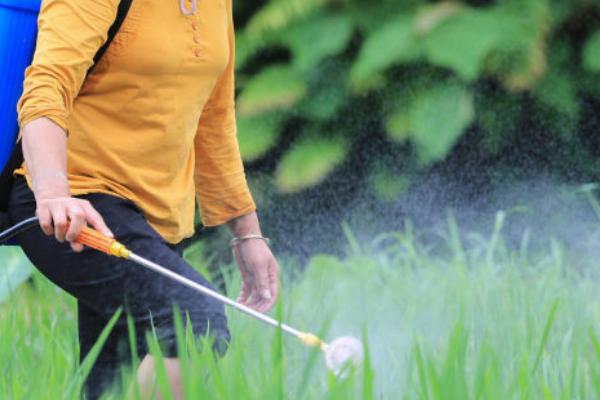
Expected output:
(342, 353)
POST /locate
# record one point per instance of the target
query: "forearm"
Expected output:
(245, 225)
(45, 153)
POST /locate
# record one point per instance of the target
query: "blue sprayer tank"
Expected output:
(18, 30)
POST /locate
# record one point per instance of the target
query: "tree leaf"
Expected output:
(558, 91)
(277, 15)
(316, 38)
(387, 185)
(399, 125)
(499, 117)
(558, 105)
(325, 102)
(520, 58)
(309, 162)
(463, 41)
(277, 87)
(559, 102)
(591, 53)
(394, 43)
(370, 16)
(327, 91)
(438, 119)
(258, 134)
(246, 47)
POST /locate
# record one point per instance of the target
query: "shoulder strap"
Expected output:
(6, 177)
(122, 11)
(16, 158)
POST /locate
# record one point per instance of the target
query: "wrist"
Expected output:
(50, 185)
(240, 239)
(245, 225)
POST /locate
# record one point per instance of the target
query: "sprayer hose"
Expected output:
(18, 228)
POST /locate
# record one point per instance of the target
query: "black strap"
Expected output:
(122, 11)
(7, 178)
(16, 158)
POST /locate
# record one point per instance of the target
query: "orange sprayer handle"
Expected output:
(97, 241)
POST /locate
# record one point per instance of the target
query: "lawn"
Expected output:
(459, 317)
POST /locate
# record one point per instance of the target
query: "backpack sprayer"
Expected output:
(339, 354)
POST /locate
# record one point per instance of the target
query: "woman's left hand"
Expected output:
(260, 274)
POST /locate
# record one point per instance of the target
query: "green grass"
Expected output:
(466, 318)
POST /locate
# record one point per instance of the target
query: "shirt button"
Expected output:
(196, 39)
(197, 52)
(195, 25)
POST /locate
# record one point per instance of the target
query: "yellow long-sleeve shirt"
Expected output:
(154, 122)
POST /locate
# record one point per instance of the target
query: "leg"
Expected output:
(146, 377)
(114, 353)
(102, 284)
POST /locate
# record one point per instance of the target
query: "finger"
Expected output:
(262, 305)
(95, 219)
(274, 277)
(76, 222)
(265, 306)
(244, 294)
(254, 301)
(255, 297)
(273, 273)
(45, 220)
(262, 281)
(59, 219)
(246, 289)
(77, 247)
(257, 301)
(273, 284)
(237, 254)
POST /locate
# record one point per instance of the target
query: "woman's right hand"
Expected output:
(45, 152)
(64, 216)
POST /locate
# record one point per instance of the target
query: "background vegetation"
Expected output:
(319, 77)
(344, 103)
(466, 318)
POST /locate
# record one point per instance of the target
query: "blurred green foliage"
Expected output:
(421, 69)
(15, 269)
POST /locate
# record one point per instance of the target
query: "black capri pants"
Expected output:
(102, 284)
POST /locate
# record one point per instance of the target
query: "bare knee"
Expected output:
(146, 376)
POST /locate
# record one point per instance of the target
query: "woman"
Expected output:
(126, 150)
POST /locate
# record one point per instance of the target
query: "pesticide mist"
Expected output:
(464, 299)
